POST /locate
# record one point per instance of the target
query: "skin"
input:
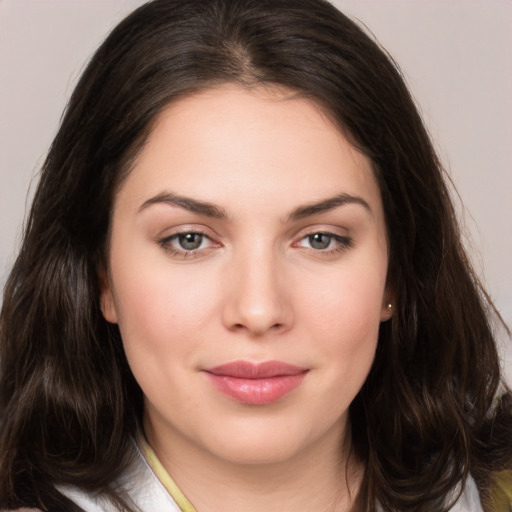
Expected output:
(258, 288)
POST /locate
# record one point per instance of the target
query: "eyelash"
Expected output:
(342, 243)
(166, 243)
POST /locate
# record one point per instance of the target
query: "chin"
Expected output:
(260, 443)
(254, 452)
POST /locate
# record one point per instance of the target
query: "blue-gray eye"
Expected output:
(190, 241)
(320, 241)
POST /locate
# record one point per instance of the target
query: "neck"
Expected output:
(326, 476)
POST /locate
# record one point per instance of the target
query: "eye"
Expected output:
(189, 241)
(326, 242)
(320, 241)
(186, 243)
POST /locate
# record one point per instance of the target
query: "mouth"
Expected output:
(256, 383)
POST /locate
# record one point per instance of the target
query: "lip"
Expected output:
(256, 383)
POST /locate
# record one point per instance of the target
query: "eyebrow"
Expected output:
(216, 212)
(326, 205)
(192, 205)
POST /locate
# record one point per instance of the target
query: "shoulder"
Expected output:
(469, 500)
(138, 484)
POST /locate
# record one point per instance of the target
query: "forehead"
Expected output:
(230, 142)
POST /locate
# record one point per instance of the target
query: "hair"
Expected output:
(429, 412)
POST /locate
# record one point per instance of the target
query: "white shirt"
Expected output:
(148, 493)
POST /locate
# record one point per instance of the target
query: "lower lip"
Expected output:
(256, 391)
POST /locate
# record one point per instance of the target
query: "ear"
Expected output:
(388, 305)
(107, 303)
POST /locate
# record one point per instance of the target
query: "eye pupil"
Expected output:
(190, 241)
(319, 241)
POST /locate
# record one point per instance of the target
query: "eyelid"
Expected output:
(165, 240)
(328, 229)
(344, 240)
(181, 229)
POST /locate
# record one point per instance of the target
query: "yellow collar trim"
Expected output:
(165, 478)
(502, 492)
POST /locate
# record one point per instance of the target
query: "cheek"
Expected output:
(163, 308)
(347, 301)
(344, 319)
(162, 319)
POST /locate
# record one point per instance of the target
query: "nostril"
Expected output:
(257, 330)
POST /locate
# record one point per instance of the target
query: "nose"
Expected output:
(257, 297)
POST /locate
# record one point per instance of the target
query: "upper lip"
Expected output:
(250, 370)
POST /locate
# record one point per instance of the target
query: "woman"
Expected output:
(242, 285)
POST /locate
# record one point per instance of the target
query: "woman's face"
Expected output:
(247, 273)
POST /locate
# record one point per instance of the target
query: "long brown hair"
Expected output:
(428, 413)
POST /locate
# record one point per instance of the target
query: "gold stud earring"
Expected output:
(389, 307)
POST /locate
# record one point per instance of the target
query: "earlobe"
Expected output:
(107, 303)
(389, 301)
(387, 311)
